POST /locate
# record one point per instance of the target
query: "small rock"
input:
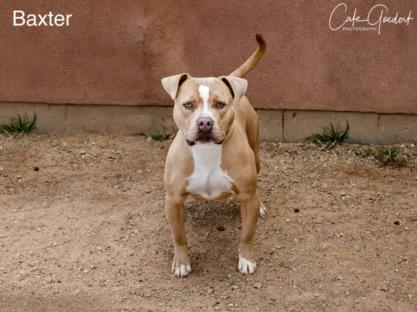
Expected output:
(396, 222)
(210, 290)
(36, 168)
(257, 285)
(221, 228)
(296, 210)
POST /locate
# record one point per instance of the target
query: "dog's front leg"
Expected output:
(174, 207)
(249, 208)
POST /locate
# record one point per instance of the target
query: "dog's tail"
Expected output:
(253, 59)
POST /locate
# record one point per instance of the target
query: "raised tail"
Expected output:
(252, 60)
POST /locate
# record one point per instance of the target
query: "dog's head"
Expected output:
(204, 107)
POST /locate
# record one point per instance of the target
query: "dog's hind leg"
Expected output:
(252, 132)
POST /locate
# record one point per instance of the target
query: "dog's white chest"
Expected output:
(208, 179)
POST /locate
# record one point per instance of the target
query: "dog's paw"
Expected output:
(262, 210)
(182, 270)
(245, 266)
(181, 263)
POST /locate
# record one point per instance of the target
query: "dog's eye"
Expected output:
(188, 105)
(220, 105)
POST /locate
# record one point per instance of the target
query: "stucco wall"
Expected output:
(115, 52)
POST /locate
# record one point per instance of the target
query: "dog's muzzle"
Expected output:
(204, 132)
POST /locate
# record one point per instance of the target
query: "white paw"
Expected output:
(262, 210)
(182, 271)
(245, 266)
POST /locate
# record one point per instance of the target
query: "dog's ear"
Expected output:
(171, 84)
(236, 85)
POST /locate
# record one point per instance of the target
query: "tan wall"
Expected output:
(115, 52)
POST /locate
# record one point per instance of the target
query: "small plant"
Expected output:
(19, 125)
(159, 136)
(331, 136)
(368, 152)
(391, 156)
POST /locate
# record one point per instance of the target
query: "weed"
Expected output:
(391, 156)
(331, 136)
(368, 152)
(19, 125)
(159, 136)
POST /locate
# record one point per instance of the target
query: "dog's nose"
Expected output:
(205, 124)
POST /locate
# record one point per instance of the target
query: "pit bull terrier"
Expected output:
(214, 154)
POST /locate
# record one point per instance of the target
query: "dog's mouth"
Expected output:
(204, 139)
(201, 137)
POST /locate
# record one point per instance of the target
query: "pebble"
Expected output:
(221, 228)
(257, 285)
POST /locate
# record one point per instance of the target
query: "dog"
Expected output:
(214, 154)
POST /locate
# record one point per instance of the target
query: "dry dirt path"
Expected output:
(82, 228)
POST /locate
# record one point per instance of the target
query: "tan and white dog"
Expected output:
(214, 154)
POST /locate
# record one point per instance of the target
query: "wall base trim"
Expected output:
(276, 125)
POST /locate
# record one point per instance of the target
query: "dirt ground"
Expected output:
(82, 228)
